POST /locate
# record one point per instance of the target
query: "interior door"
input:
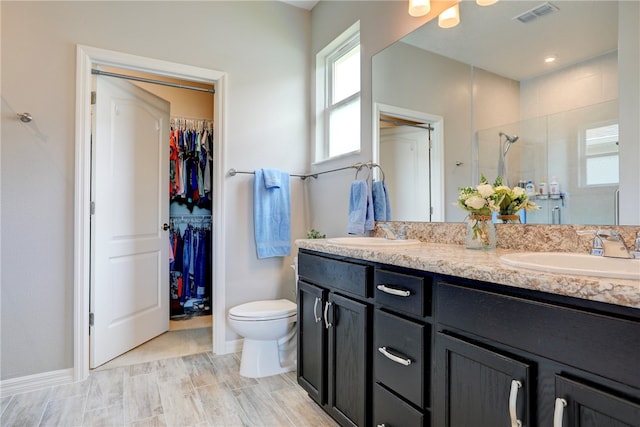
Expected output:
(130, 191)
(406, 168)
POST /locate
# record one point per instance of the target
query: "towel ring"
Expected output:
(375, 165)
(362, 166)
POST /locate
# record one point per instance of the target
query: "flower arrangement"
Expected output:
(512, 199)
(484, 199)
(481, 199)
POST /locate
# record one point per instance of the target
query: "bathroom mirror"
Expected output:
(485, 80)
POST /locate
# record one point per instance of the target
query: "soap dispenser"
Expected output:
(554, 189)
(530, 189)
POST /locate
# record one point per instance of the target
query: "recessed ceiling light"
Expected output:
(550, 59)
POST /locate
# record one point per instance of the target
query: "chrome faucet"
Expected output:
(608, 243)
(389, 233)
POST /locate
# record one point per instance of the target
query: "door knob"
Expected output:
(165, 226)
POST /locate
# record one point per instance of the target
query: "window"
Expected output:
(338, 96)
(601, 155)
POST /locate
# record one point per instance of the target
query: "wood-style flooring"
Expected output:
(199, 389)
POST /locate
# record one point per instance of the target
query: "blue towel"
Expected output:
(360, 208)
(272, 213)
(381, 202)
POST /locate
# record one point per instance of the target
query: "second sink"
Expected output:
(577, 264)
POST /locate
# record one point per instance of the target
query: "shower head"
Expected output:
(510, 139)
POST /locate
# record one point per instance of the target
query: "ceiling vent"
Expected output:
(537, 12)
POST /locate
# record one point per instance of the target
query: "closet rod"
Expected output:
(233, 172)
(156, 82)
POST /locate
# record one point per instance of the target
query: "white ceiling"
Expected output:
(489, 38)
(303, 4)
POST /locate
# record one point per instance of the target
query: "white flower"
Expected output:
(518, 192)
(502, 188)
(475, 202)
(485, 190)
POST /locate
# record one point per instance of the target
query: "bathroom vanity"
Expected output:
(436, 335)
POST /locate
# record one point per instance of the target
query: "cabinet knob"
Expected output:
(513, 398)
(558, 412)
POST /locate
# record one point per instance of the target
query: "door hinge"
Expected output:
(91, 319)
(93, 97)
(431, 210)
(92, 208)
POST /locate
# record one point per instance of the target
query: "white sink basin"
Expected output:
(371, 241)
(577, 264)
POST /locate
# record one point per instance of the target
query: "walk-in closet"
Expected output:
(189, 233)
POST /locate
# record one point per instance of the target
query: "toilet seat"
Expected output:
(264, 310)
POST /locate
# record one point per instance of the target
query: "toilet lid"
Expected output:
(269, 309)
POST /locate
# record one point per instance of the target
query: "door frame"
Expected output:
(437, 149)
(86, 58)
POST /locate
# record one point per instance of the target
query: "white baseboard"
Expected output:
(35, 382)
(232, 347)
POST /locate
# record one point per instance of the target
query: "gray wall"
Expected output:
(264, 48)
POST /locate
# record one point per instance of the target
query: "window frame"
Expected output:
(584, 157)
(325, 61)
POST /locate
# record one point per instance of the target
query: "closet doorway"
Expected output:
(92, 58)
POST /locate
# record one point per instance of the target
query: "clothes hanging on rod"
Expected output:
(191, 162)
(190, 271)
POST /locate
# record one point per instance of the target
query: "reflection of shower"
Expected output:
(504, 149)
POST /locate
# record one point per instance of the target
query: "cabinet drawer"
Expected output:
(403, 292)
(335, 274)
(390, 410)
(399, 356)
(597, 343)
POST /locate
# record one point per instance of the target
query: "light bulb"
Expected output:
(450, 17)
(419, 7)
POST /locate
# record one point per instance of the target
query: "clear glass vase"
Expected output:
(481, 232)
(509, 219)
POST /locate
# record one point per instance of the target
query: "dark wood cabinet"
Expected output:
(388, 346)
(334, 337)
(479, 386)
(347, 367)
(580, 405)
(312, 340)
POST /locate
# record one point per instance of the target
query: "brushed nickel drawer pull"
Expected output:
(315, 310)
(513, 398)
(558, 412)
(393, 357)
(326, 315)
(393, 291)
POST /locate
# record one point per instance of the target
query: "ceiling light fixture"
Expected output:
(551, 58)
(486, 2)
(450, 17)
(419, 8)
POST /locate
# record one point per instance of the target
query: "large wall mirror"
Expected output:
(483, 87)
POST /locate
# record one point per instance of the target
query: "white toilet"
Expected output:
(269, 331)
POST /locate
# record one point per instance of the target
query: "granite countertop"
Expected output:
(456, 260)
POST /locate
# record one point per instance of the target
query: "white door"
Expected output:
(130, 249)
(404, 154)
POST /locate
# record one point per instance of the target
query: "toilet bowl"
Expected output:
(269, 331)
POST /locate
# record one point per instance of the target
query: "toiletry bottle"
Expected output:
(554, 189)
(543, 194)
(530, 189)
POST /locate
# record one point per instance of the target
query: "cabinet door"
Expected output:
(587, 406)
(481, 387)
(312, 341)
(348, 361)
